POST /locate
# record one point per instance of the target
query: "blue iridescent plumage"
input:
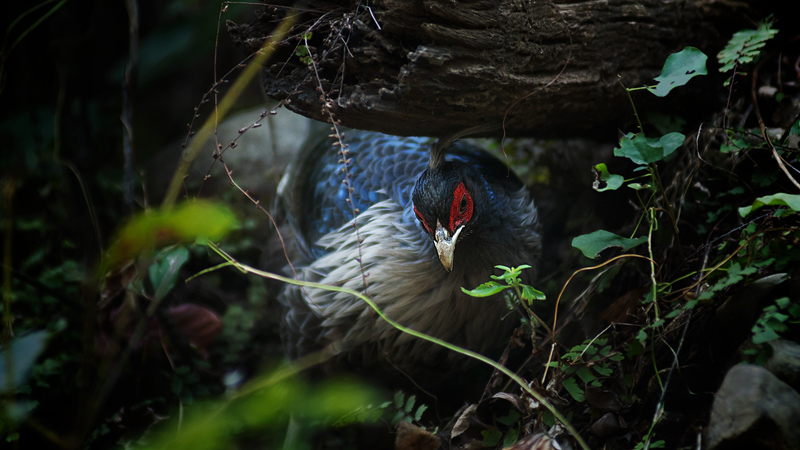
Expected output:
(379, 167)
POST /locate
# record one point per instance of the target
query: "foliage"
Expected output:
(773, 320)
(393, 411)
(266, 403)
(157, 229)
(520, 293)
(404, 409)
(24, 351)
(679, 69)
(745, 46)
(645, 152)
(510, 280)
(612, 181)
(302, 51)
(586, 364)
(792, 201)
(592, 244)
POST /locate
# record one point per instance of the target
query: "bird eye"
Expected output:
(461, 209)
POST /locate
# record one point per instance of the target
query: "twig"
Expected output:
(128, 86)
(345, 161)
(763, 127)
(249, 72)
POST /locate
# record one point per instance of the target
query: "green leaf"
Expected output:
(510, 419)
(643, 150)
(593, 243)
(613, 182)
(548, 418)
(792, 201)
(420, 410)
(679, 69)
(486, 289)
(511, 437)
(529, 294)
(399, 399)
(795, 129)
(602, 371)
(397, 417)
(410, 403)
(572, 387)
(745, 46)
(491, 437)
(585, 374)
(156, 229)
(639, 186)
(24, 351)
(164, 271)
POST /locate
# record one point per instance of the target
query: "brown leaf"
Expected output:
(412, 437)
(538, 441)
(620, 311)
(115, 282)
(606, 425)
(499, 405)
(602, 399)
(197, 323)
(463, 421)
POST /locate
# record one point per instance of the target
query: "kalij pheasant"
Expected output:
(425, 226)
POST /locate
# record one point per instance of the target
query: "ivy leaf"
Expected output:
(593, 243)
(613, 182)
(643, 150)
(679, 69)
(792, 201)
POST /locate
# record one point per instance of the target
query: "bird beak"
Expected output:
(445, 245)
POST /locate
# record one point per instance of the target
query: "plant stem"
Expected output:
(517, 379)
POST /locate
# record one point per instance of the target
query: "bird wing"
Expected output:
(377, 167)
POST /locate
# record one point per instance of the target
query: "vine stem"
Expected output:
(229, 261)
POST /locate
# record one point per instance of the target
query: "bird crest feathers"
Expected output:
(440, 147)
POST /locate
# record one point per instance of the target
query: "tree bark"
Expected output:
(536, 68)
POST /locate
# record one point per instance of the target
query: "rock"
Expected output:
(257, 161)
(785, 362)
(754, 409)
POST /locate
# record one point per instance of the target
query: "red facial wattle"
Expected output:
(422, 220)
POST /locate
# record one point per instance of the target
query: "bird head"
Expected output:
(451, 202)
